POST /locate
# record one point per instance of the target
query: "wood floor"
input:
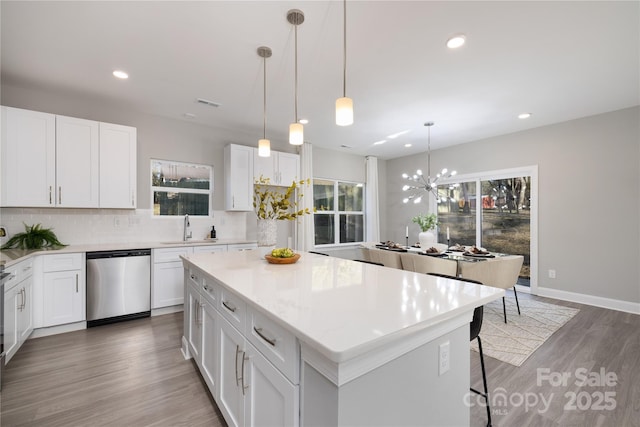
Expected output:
(133, 374)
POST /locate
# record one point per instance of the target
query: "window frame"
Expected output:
(208, 192)
(336, 214)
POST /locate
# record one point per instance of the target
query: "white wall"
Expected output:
(589, 187)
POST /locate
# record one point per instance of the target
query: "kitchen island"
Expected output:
(328, 341)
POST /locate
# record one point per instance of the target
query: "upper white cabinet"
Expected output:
(238, 173)
(117, 166)
(280, 168)
(28, 158)
(76, 163)
(59, 161)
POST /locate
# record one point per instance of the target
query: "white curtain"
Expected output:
(372, 215)
(305, 236)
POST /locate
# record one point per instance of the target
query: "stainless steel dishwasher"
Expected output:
(118, 286)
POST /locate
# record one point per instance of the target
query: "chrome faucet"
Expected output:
(186, 233)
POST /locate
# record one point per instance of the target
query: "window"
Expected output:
(339, 216)
(181, 188)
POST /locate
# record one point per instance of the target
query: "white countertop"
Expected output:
(343, 308)
(12, 256)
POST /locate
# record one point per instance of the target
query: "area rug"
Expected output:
(513, 342)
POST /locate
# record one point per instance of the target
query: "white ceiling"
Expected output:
(557, 60)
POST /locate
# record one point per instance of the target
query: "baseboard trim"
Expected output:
(167, 310)
(60, 329)
(613, 304)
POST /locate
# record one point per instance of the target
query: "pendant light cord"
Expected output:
(296, 73)
(264, 98)
(344, 68)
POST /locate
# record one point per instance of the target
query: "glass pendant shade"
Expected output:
(344, 111)
(296, 134)
(264, 148)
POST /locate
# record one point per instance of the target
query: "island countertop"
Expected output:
(342, 308)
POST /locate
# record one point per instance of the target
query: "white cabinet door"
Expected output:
(209, 354)
(118, 166)
(77, 163)
(238, 169)
(270, 399)
(12, 303)
(195, 323)
(288, 168)
(264, 167)
(64, 298)
(168, 284)
(25, 314)
(231, 363)
(28, 157)
(209, 249)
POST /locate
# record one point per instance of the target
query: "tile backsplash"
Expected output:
(96, 226)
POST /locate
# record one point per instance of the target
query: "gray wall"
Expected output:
(589, 204)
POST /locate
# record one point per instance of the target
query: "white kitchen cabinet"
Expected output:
(18, 307)
(242, 247)
(59, 161)
(209, 351)
(63, 289)
(280, 168)
(209, 249)
(118, 145)
(167, 276)
(28, 158)
(77, 163)
(231, 367)
(238, 171)
(194, 323)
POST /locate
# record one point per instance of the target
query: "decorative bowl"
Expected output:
(290, 260)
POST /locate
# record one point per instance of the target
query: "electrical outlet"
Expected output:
(552, 274)
(444, 359)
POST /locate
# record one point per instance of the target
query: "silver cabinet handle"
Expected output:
(133, 198)
(196, 305)
(244, 359)
(232, 308)
(238, 351)
(60, 195)
(271, 341)
(201, 311)
(194, 277)
(233, 201)
(23, 298)
(76, 283)
(50, 193)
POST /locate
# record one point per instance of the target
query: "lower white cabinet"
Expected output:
(18, 307)
(247, 387)
(63, 289)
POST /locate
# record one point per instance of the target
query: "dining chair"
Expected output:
(387, 258)
(501, 272)
(474, 333)
(430, 264)
(406, 259)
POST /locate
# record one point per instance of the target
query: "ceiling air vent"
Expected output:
(207, 102)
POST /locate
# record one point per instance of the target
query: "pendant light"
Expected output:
(264, 145)
(419, 184)
(344, 105)
(296, 130)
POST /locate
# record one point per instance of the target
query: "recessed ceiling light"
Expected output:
(407, 145)
(120, 74)
(524, 115)
(380, 142)
(303, 121)
(456, 41)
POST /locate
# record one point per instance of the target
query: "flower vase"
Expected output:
(267, 232)
(427, 239)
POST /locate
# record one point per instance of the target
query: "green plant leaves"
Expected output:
(34, 237)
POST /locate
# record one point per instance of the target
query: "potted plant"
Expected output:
(427, 223)
(275, 204)
(34, 237)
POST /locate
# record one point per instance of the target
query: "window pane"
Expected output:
(167, 203)
(457, 210)
(349, 197)
(324, 229)
(506, 218)
(351, 228)
(180, 175)
(323, 195)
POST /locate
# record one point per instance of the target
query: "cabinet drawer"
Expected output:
(62, 262)
(17, 273)
(277, 344)
(233, 308)
(169, 254)
(196, 278)
(211, 292)
(242, 247)
(209, 249)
